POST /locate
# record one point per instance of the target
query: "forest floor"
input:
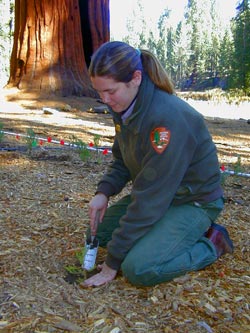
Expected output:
(44, 197)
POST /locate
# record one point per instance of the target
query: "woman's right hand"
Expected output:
(97, 206)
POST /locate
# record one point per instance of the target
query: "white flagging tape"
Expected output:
(229, 172)
(56, 141)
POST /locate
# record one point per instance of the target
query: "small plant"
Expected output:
(223, 175)
(30, 139)
(80, 255)
(97, 138)
(224, 178)
(75, 272)
(1, 132)
(73, 269)
(237, 165)
(90, 150)
(82, 148)
(96, 144)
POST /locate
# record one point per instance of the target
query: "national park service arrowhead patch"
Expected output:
(160, 138)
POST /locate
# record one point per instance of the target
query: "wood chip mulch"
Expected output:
(43, 219)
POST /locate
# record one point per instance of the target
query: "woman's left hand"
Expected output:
(106, 274)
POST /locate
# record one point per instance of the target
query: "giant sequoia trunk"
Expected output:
(48, 51)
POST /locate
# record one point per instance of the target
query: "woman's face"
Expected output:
(117, 95)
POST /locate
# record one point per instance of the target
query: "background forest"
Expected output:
(199, 53)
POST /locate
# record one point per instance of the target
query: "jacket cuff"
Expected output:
(113, 262)
(106, 188)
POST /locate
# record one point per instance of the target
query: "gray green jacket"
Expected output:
(187, 170)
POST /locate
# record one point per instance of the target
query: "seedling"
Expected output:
(75, 273)
(82, 147)
(30, 139)
(237, 165)
(96, 139)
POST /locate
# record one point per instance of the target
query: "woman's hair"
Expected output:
(119, 61)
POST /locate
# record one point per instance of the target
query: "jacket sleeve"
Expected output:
(117, 176)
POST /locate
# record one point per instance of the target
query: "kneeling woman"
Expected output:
(165, 227)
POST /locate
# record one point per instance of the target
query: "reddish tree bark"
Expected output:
(99, 12)
(48, 50)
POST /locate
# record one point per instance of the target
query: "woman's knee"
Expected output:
(134, 272)
(129, 269)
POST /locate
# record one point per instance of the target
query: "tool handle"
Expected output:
(97, 221)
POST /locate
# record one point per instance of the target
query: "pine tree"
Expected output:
(226, 50)
(241, 35)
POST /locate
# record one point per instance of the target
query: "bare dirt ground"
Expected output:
(44, 197)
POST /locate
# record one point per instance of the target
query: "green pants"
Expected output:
(174, 246)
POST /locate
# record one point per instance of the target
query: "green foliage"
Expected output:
(226, 49)
(76, 273)
(247, 85)
(82, 148)
(196, 45)
(241, 55)
(85, 152)
(97, 140)
(199, 45)
(238, 165)
(97, 152)
(73, 269)
(30, 139)
(224, 177)
(80, 255)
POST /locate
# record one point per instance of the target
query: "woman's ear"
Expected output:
(137, 77)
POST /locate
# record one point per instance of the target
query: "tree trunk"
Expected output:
(48, 50)
(95, 25)
(99, 13)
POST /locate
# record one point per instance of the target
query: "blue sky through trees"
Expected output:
(120, 11)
